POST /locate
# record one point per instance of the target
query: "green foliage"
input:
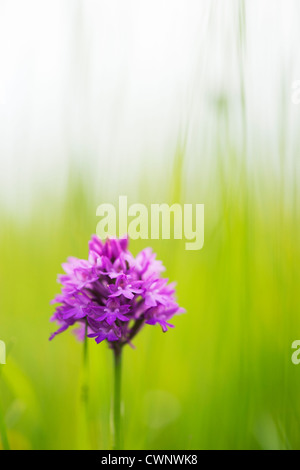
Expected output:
(222, 378)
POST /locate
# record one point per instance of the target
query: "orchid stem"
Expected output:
(117, 434)
(85, 386)
(3, 433)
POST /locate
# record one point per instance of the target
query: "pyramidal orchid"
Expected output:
(111, 296)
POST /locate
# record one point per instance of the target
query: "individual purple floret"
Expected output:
(112, 295)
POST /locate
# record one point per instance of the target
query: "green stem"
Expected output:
(3, 432)
(117, 434)
(85, 347)
(85, 389)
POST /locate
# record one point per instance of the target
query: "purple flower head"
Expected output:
(112, 295)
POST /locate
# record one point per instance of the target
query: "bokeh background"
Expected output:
(165, 101)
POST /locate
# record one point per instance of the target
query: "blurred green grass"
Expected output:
(223, 378)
